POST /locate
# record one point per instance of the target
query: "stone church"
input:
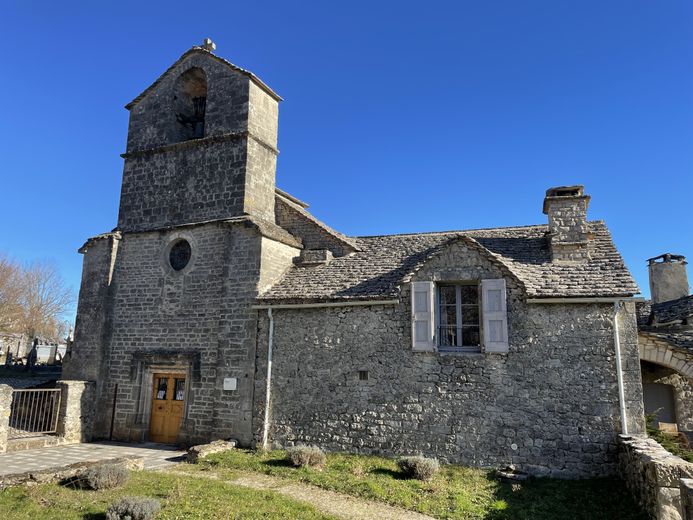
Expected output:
(219, 307)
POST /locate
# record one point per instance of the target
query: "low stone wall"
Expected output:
(74, 417)
(653, 475)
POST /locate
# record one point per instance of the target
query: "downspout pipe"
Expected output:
(268, 387)
(619, 370)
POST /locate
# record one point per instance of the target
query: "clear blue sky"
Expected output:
(398, 116)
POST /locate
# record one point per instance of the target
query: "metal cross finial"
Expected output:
(208, 45)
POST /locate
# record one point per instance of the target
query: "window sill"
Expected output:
(462, 353)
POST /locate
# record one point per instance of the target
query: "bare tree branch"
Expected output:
(10, 295)
(44, 299)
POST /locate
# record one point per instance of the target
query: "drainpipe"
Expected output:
(619, 370)
(268, 388)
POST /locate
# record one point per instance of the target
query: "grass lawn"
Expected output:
(455, 493)
(181, 498)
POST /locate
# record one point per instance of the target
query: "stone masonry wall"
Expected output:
(550, 405)
(568, 228)
(153, 119)
(193, 182)
(653, 476)
(312, 235)
(197, 321)
(75, 418)
(93, 310)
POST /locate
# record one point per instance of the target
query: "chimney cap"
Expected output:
(576, 191)
(667, 257)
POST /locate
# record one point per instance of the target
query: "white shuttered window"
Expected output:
(494, 315)
(422, 319)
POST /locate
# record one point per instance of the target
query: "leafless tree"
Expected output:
(10, 294)
(44, 299)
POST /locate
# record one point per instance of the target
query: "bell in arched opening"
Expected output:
(190, 103)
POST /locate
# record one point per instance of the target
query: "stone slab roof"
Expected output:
(668, 321)
(384, 263)
(673, 311)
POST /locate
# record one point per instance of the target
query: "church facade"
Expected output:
(219, 307)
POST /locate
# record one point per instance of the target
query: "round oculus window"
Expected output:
(179, 256)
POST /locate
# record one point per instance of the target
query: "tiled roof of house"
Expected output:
(384, 263)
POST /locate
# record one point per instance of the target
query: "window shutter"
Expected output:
(495, 315)
(422, 323)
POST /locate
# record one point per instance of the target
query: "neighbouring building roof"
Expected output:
(384, 263)
(669, 321)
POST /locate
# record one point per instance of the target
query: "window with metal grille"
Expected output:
(458, 317)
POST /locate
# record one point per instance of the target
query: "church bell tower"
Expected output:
(202, 146)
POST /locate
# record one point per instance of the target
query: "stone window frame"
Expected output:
(171, 240)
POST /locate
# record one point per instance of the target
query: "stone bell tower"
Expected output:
(202, 146)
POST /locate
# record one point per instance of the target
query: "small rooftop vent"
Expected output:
(310, 257)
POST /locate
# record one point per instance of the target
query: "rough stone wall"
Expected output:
(550, 405)
(276, 259)
(653, 476)
(229, 172)
(312, 235)
(93, 310)
(197, 321)
(193, 182)
(153, 119)
(75, 418)
(260, 180)
(683, 393)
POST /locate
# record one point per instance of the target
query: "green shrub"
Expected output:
(418, 467)
(133, 508)
(106, 476)
(301, 456)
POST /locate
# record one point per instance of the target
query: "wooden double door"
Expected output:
(168, 404)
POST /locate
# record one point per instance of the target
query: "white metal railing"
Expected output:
(34, 412)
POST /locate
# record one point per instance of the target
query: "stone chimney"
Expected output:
(668, 278)
(568, 236)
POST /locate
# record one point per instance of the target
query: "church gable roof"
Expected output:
(203, 51)
(384, 263)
